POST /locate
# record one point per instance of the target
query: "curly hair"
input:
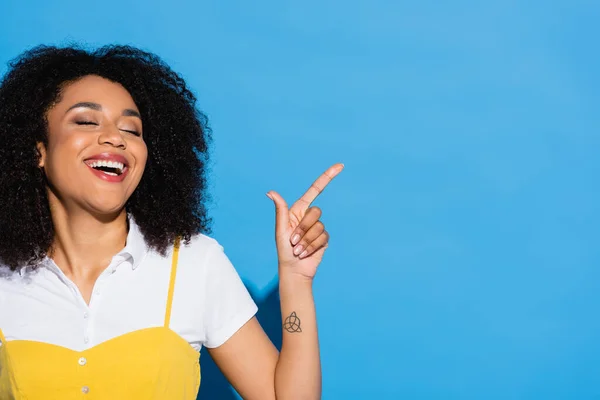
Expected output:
(170, 200)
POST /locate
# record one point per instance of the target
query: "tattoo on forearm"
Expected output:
(292, 323)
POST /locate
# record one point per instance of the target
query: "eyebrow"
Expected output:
(97, 107)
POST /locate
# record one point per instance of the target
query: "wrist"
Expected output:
(293, 281)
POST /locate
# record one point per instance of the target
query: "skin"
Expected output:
(90, 225)
(89, 214)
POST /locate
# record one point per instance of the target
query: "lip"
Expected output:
(109, 157)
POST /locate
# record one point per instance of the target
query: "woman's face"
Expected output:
(96, 153)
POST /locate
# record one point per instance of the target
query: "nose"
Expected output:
(112, 136)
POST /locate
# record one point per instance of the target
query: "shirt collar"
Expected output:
(135, 249)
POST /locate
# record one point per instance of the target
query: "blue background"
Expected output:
(465, 228)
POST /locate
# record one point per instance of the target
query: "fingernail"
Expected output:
(269, 196)
(298, 249)
(304, 253)
(295, 239)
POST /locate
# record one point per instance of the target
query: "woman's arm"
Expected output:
(298, 372)
(251, 363)
(248, 359)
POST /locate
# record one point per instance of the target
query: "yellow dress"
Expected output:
(150, 363)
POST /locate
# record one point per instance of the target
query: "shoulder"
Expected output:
(200, 243)
(200, 250)
(195, 260)
(12, 290)
(204, 259)
(5, 272)
(8, 278)
(201, 258)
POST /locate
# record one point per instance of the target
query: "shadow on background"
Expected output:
(213, 384)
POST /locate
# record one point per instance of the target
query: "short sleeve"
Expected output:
(228, 305)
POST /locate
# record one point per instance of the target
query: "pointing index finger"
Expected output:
(319, 185)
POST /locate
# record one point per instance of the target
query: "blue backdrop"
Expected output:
(465, 227)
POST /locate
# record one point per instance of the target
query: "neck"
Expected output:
(84, 244)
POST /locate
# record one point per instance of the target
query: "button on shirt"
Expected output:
(210, 302)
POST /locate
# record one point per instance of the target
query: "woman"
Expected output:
(109, 286)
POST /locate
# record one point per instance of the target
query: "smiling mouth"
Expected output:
(111, 168)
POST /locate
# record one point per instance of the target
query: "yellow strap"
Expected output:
(172, 282)
(2, 338)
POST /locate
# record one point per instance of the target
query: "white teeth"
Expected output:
(109, 164)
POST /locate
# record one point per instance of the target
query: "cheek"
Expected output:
(65, 147)
(62, 156)
(76, 142)
(140, 153)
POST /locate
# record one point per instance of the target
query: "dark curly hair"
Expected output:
(170, 200)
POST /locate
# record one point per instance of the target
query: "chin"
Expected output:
(107, 207)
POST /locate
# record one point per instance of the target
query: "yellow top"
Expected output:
(150, 363)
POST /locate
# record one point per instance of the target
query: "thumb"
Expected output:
(282, 216)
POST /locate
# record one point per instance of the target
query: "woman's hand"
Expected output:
(300, 236)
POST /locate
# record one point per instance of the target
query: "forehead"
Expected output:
(96, 89)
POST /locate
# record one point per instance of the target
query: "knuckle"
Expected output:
(302, 227)
(316, 211)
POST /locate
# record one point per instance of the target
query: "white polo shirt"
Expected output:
(210, 302)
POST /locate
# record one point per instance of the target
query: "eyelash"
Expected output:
(93, 123)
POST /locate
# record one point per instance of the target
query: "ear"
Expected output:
(41, 149)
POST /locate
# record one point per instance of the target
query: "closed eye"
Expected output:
(85, 123)
(136, 133)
